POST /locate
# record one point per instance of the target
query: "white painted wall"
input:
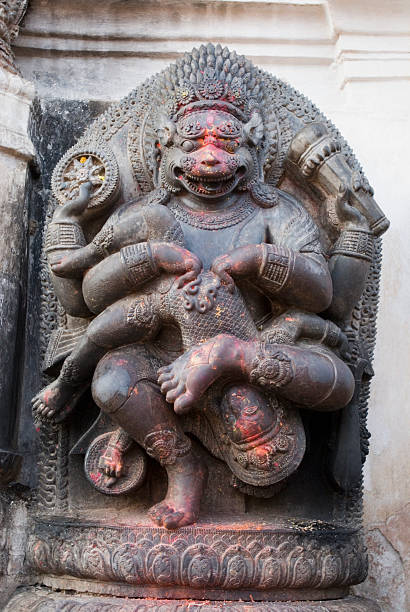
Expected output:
(352, 58)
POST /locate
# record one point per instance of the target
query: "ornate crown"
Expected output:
(210, 77)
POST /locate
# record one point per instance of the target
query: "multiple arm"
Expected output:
(297, 279)
(349, 261)
(304, 279)
(134, 246)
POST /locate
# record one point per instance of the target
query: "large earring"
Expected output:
(166, 130)
(253, 130)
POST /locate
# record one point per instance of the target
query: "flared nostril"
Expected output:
(209, 160)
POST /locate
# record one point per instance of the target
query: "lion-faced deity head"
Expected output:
(208, 124)
(208, 152)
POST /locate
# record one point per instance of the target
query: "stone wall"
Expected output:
(353, 60)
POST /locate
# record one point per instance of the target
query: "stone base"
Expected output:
(44, 600)
(218, 561)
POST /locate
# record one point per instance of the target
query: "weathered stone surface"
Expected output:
(42, 600)
(272, 562)
(360, 73)
(387, 580)
(16, 151)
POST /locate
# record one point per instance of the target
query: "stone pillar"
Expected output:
(16, 151)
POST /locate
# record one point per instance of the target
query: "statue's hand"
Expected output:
(173, 259)
(73, 209)
(349, 217)
(242, 262)
(75, 263)
(111, 462)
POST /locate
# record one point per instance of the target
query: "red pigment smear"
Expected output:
(47, 395)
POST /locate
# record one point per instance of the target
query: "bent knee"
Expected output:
(342, 389)
(111, 385)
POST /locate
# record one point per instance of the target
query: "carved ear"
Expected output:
(166, 130)
(253, 130)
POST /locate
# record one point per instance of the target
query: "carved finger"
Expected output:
(48, 413)
(183, 403)
(166, 368)
(81, 202)
(345, 210)
(59, 269)
(168, 385)
(220, 267)
(176, 392)
(165, 376)
(226, 280)
(186, 278)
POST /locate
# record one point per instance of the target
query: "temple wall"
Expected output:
(353, 60)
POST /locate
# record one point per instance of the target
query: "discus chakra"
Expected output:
(83, 170)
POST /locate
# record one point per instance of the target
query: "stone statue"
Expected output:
(203, 300)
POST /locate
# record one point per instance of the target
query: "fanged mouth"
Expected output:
(210, 186)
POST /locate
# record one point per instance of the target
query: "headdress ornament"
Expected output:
(211, 77)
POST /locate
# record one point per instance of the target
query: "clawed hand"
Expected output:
(111, 462)
(173, 259)
(349, 216)
(243, 262)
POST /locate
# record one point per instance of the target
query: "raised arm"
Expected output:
(132, 225)
(349, 261)
(64, 239)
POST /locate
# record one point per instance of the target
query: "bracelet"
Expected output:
(120, 440)
(139, 262)
(103, 240)
(354, 243)
(331, 335)
(64, 235)
(275, 265)
(271, 368)
(166, 445)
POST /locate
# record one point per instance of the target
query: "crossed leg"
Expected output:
(115, 326)
(312, 378)
(136, 404)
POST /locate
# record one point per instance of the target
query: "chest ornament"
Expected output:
(213, 220)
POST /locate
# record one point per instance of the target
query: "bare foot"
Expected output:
(186, 482)
(186, 379)
(57, 400)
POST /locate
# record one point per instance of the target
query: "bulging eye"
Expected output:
(188, 145)
(231, 146)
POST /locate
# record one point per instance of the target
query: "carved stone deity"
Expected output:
(214, 251)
